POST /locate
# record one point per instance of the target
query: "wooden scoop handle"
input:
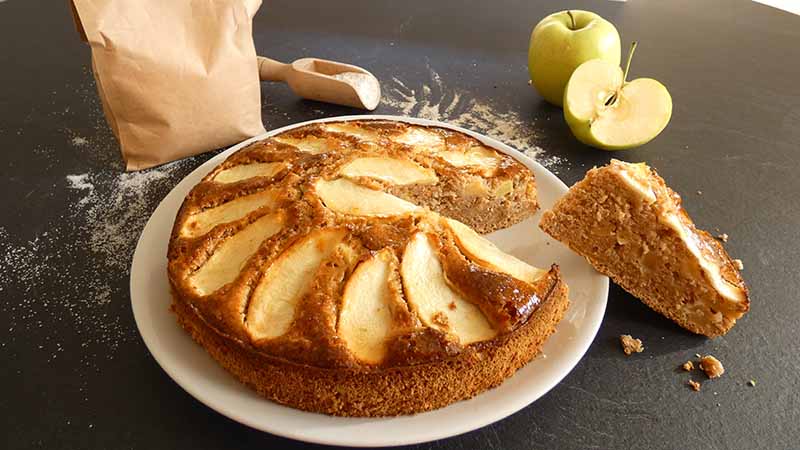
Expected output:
(271, 70)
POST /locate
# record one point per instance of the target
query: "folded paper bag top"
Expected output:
(175, 78)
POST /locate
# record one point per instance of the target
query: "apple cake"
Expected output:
(631, 226)
(338, 268)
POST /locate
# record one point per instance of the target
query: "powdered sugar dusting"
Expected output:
(435, 101)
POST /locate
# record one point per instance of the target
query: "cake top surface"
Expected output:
(323, 246)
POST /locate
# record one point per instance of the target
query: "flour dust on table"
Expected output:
(437, 101)
(78, 141)
(115, 207)
(76, 269)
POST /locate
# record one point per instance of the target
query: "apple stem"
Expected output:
(569, 13)
(628, 64)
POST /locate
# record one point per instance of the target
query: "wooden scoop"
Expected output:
(314, 79)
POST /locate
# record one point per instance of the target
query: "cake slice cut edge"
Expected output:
(630, 226)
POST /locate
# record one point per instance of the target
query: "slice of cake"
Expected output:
(630, 226)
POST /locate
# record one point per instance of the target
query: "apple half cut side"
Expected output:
(605, 111)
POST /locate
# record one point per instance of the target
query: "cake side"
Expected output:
(631, 227)
(375, 392)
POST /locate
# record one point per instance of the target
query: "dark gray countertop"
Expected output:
(75, 373)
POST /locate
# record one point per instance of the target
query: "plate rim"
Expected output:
(487, 419)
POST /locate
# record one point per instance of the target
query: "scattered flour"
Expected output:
(81, 182)
(79, 140)
(115, 209)
(78, 269)
(435, 101)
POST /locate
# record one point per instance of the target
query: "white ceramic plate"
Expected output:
(192, 368)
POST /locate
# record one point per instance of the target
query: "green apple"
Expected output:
(606, 111)
(563, 41)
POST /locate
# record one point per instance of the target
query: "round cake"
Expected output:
(338, 268)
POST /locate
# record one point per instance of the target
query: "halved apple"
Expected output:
(605, 111)
(437, 305)
(365, 319)
(226, 262)
(485, 253)
(391, 170)
(288, 278)
(202, 222)
(245, 171)
(344, 196)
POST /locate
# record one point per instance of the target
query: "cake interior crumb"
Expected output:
(688, 366)
(694, 385)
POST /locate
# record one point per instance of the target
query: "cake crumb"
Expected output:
(694, 385)
(751, 383)
(739, 264)
(530, 82)
(711, 366)
(630, 344)
(697, 355)
(699, 192)
(723, 237)
(452, 306)
(688, 366)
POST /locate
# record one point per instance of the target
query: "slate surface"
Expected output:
(75, 373)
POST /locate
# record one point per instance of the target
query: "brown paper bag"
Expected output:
(175, 77)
